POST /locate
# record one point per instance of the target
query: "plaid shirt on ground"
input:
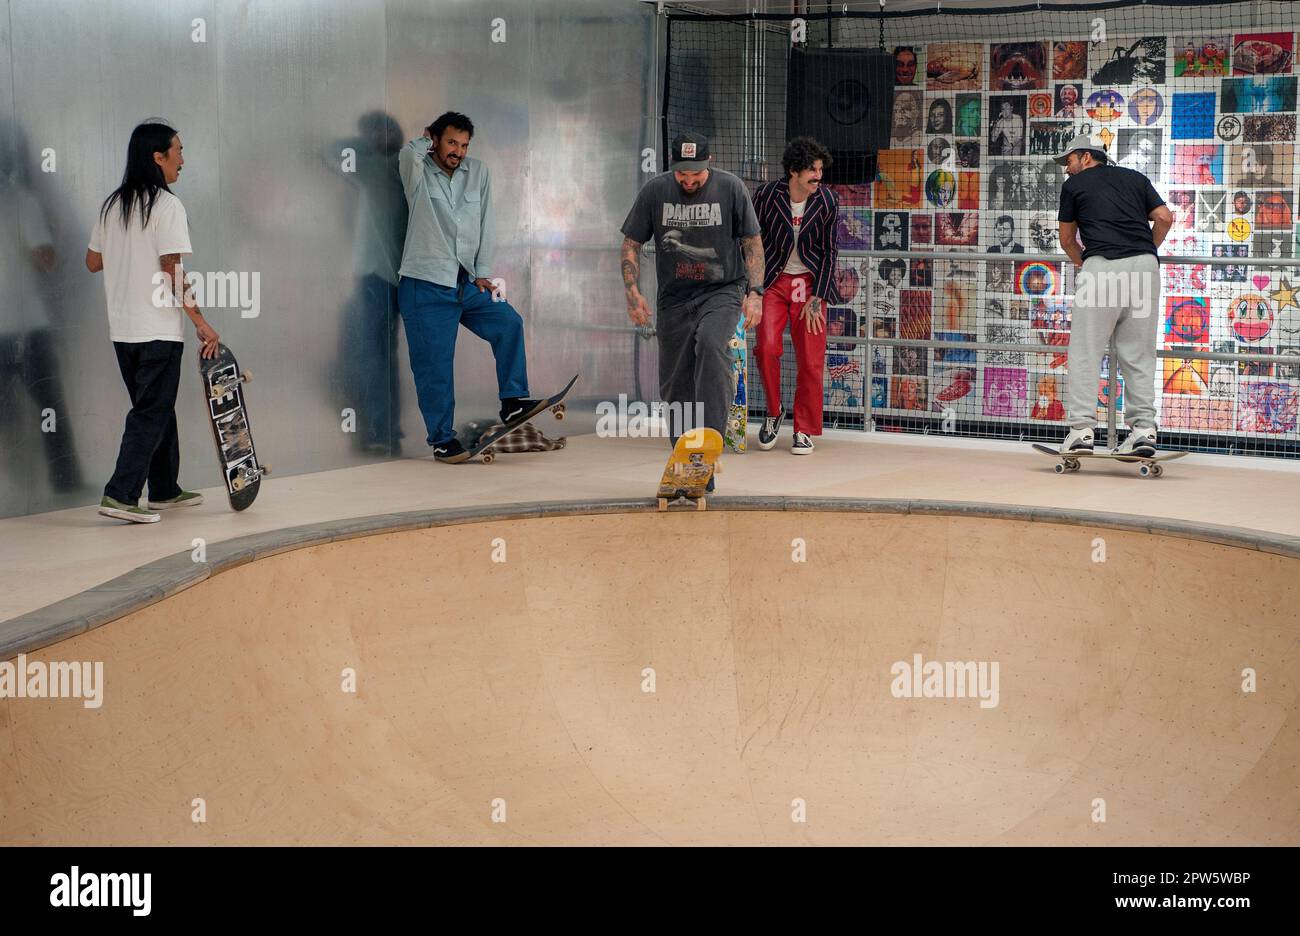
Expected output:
(527, 438)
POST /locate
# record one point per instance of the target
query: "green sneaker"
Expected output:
(183, 499)
(131, 513)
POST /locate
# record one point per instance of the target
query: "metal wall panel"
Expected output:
(267, 96)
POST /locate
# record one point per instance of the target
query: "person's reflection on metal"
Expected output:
(367, 363)
(31, 392)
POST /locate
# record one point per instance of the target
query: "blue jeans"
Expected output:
(430, 315)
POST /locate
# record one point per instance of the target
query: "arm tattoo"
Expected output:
(171, 265)
(752, 249)
(631, 263)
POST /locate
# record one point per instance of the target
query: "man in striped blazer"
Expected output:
(797, 217)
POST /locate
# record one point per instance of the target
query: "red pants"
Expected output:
(780, 308)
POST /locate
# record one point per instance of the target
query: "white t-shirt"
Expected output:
(26, 310)
(130, 268)
(794, 266)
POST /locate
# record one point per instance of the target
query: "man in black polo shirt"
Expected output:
(1121, 221)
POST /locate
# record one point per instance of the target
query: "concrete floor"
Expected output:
(46, 557)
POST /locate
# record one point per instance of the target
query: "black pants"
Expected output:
(150, 449)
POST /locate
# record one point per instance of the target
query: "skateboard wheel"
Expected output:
(558, 411)
(1060, 468)
(266, 469)
(1072, 464)
(1157, 470)
(663, 503)
(488, 457)
(246, 376)
(238, 483)
(699, 503)
(1144, 470)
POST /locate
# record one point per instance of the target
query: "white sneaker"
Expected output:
(1079, 440)
(802, 444)
(1140, 442)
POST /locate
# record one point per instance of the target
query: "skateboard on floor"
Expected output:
(223, 393)
(693, 462)
(1148, 467)
(734, 436)
(555, 404)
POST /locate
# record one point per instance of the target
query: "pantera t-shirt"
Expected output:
(697, 237)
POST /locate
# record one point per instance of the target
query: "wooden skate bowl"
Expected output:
(516, 690)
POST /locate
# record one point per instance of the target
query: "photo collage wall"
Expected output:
(1210, 119)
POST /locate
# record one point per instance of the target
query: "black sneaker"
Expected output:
(802, 444)
(709, 487)
(771, 426)
(516, 409)
(450, 452)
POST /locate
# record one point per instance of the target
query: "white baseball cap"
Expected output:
(1085, 142)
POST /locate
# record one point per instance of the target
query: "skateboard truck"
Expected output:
(223, 386)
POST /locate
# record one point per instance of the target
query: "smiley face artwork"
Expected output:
(1251, 317)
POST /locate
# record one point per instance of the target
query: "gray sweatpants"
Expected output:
(695, 356)
(1119, 297)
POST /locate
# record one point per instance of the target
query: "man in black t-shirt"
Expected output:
(709, 261)
(1121, 221)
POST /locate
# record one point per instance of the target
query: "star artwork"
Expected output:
(1285, 296)
(1106, 137)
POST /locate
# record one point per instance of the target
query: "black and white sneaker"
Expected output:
(516, 409)
(1079, 440)
(1140, 442)
(802, 444)
(450, 453)
(767, 434)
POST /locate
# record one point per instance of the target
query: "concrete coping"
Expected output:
(155, 581)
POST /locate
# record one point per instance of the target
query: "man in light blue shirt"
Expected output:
(445, 281)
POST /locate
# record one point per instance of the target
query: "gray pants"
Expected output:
(1120, 298)
(695, 356)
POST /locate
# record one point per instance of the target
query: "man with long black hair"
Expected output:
(446, 281)
(142, 231)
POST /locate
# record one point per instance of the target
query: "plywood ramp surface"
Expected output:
(516, 690)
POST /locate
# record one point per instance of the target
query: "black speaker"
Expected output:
(844, 99)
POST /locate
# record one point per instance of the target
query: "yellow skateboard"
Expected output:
(693, 462)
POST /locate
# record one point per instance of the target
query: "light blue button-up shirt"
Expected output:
(449, 226)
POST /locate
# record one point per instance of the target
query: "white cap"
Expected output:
(1089, 143)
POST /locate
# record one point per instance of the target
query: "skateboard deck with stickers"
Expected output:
(223, 392)
(693, 462)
